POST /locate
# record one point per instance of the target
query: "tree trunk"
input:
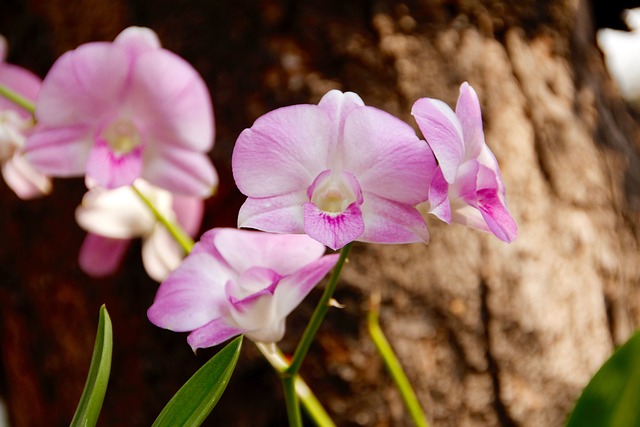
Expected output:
(490, 334)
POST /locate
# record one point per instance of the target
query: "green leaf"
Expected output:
(96, 386)
(612, 397)
(197, 397)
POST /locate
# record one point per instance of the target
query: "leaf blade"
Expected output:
(198, 396)
(611, 397)
(95, 387)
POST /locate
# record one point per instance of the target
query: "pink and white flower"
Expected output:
(467, 186)
(239, 282)
(339, 171)
(114, 217)
(126, 110)
(15, 124)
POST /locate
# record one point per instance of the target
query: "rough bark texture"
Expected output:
(490, 334)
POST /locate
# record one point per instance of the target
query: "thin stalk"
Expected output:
(291, 399)
(17, 99)
(318, 314)
(310, 403)
(174, 229)
(393, 365)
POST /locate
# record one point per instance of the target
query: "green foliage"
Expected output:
(612, 397)
(96, 386)
(197, 397)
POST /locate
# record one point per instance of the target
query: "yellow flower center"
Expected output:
(122, 137)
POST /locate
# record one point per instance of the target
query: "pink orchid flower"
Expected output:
(467, 186)
(113, 217)
(15, 124)
(239, 282)
(125, 110)
(339, 171)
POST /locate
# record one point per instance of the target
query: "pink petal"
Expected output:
(333, 230)
(277, 214)
(160, 254)
(439, 204)
(257, 312)
(118, 214)
(497, 216)
(442, 130)
(493, 210)
(59, 151)
(21, 81)
(250, 285)
(469, 216)
(171, 102)
(101, 256)
(293, 141)
(282, 253)
(193, 294)
(110, 170)
(386, 156)
(294, 288)
(84, 86)
(337, 106)
(189, 211)
(465, 187)
(468, 112)
(387, 221)
(213, 333)
(180, 170)
(137, 40)
(25, 181)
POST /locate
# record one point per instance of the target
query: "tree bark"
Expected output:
(490, 334)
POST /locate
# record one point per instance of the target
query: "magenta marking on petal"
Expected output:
(496, 215)
(333, 229)
(111, 170)
(250, 286)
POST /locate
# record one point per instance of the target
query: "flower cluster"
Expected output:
(15, 126)
(341, 171)
(137, 121)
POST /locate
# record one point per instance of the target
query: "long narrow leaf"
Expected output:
(612, 397)
(96, 386)
(197, 397)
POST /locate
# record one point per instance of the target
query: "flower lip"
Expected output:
(334, 192)
(251, 284)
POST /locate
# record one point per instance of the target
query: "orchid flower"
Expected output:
(339, 171)
(15, 124)
(125, 110)
(467, 186)
(239, 282)
(622, 53)
(113, 217)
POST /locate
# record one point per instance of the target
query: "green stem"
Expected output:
(310, 403)
(174, 229)
(318, 314)
(17, 99)
(291, 399)
(393, 365)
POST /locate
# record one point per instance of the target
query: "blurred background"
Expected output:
(490, 334)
